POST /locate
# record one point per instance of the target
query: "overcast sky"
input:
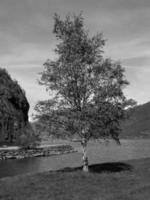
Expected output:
(26, 39)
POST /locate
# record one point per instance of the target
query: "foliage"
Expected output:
(27, 137)
(88, 89)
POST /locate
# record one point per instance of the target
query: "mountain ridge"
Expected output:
(137, 124)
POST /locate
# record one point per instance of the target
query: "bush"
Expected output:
(28, 138)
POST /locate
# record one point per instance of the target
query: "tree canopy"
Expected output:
(88, 98)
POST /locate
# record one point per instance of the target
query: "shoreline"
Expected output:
(16, 152)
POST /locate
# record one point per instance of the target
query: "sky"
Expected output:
(27, 41)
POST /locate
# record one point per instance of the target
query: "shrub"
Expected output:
(28, 138)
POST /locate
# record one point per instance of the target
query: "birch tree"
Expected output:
(88, 98)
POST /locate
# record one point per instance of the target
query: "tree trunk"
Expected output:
(85, 158)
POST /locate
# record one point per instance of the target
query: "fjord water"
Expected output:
(99, 152)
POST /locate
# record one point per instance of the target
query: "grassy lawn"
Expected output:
(129, 180)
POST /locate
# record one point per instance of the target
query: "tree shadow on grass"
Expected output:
(104, 167)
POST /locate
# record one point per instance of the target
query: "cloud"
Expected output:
(137, 61)
(26, 54)
(27, 40)
(139, 83)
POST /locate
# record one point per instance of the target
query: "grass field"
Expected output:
(127, 180)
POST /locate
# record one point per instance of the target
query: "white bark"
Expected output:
(85, 158)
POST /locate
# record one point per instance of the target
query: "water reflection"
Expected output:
(39, 164)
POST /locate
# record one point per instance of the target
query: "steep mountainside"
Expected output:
(137, 125)
(14, 107)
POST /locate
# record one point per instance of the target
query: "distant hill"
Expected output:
(138, 123)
